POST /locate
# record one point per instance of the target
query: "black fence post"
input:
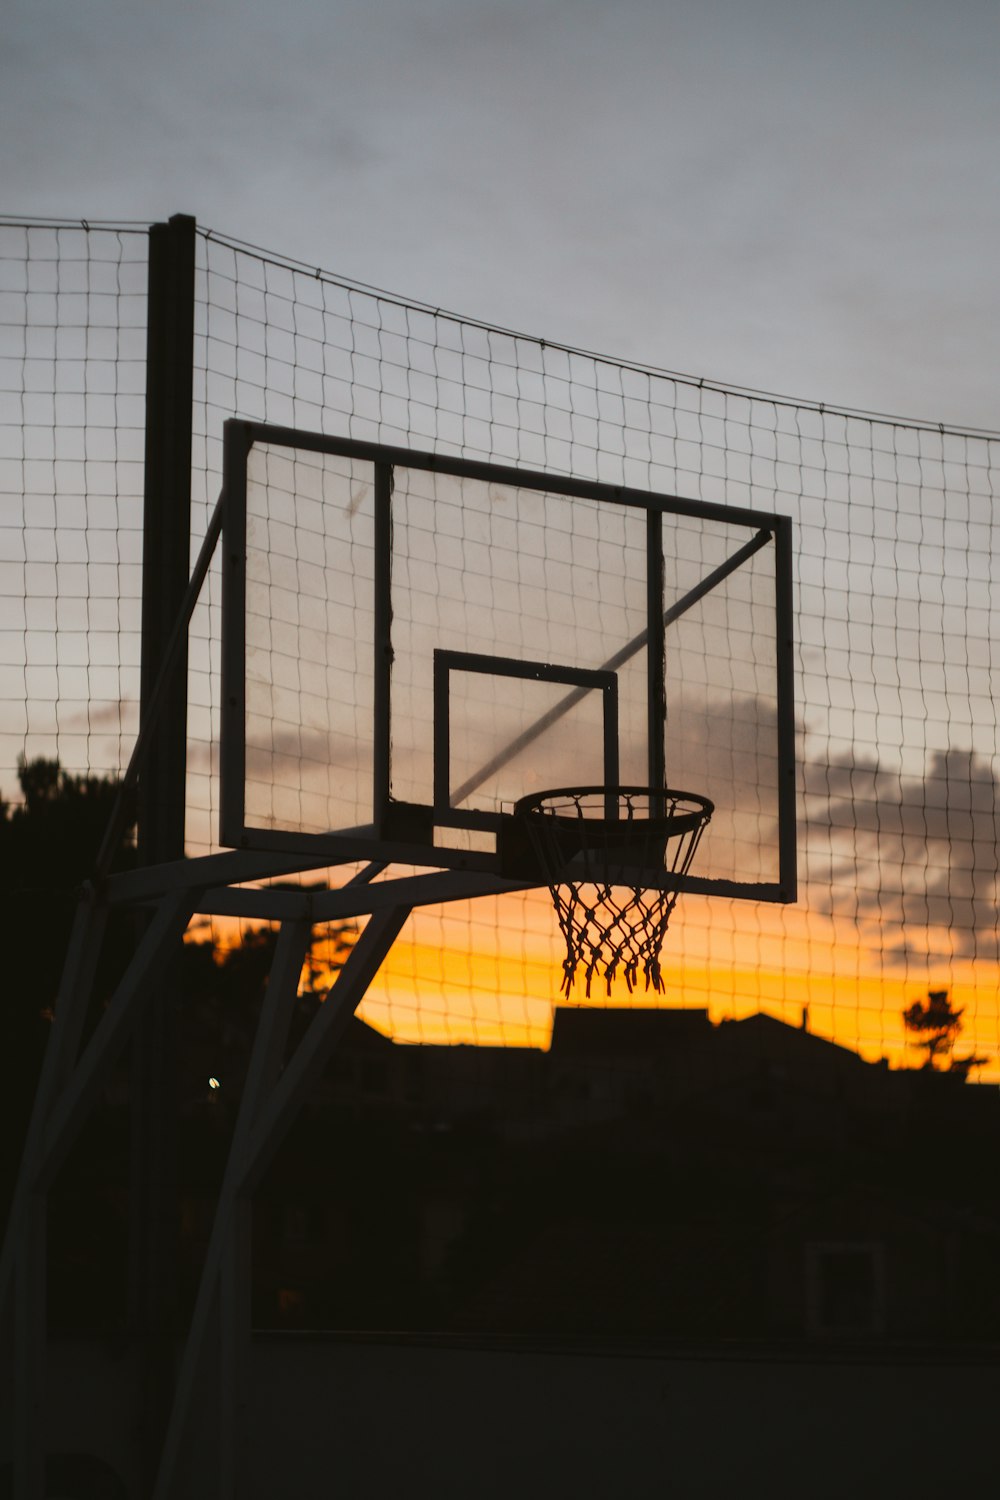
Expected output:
(166, 542)
(160, 814)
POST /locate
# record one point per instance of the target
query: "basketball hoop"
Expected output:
(606, 854)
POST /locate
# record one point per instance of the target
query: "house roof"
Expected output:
(586, 1032)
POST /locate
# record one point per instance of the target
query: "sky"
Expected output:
(781, 194)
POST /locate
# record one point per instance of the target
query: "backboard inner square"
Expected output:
(554, 722)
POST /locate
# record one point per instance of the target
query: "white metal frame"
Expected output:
(68, 1088)
(273, 1094)
(173, 892)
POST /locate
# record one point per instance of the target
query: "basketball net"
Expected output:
(607, 854)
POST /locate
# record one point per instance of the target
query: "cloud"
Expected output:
(918, 855)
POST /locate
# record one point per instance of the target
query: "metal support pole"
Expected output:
(130, 999)
(383, 641)
(312, 1054)
(267, 1109)
(67, 1090)
(30, 1334)
(223, 1292)
(23, 1265)
(656, 676)
(166, 540)
(63, 1045)
(161, 805)
(235, 1271)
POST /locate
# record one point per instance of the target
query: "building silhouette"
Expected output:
(650, 1175)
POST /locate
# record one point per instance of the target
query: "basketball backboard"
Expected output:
(413, 642)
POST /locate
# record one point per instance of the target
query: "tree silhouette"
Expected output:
(48, 845)
(49, 842)
(935, 1025)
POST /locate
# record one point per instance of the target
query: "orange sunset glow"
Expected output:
(455, 978)
(893, 536)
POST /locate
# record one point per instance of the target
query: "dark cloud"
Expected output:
(917, 854)
(914, 858)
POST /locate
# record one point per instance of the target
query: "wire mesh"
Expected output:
(72, 385)
(896, 544)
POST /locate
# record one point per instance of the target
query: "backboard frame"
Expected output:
(403, 832)
(446, 662)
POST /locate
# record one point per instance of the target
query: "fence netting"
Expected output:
(896, 546)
